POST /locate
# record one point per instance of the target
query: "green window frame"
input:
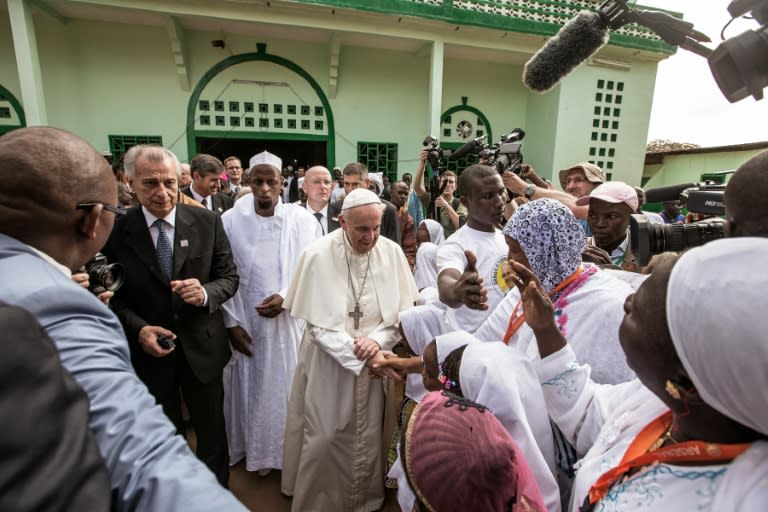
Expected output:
(379, 157)
(119, 144)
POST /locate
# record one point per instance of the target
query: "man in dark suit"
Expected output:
(179, 270)
(53, 218)
(356, 176)
(46, 444)
(317, 187)
(205, 185)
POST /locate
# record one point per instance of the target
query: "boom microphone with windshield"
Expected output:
(576, 41)
(584, 35)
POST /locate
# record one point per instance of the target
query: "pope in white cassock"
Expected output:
(267, 238)
(349, 287)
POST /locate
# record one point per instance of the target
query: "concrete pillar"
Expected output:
(435, 88)
(27, 62)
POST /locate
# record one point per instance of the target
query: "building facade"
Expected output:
(323, 81)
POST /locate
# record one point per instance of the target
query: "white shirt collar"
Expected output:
(323, 211)
(58, 266)
(618, 253)
(197, 197)
(150, 218)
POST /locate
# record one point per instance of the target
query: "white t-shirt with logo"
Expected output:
(491, 252)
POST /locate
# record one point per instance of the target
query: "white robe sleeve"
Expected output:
(578, 405)
(386, 336)
(339, 345)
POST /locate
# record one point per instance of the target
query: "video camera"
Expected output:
(648, 239)
(104, 276)
(739, 64)
(505, 155)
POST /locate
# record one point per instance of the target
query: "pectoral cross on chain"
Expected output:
(356, 314)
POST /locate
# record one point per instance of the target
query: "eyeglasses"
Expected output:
(118, 210)
(575, 181)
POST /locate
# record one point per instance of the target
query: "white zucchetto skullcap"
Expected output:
(359, 197)
(715, 303)
(266, 158)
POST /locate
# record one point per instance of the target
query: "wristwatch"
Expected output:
(529, 191)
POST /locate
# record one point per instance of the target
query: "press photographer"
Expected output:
(439, 201)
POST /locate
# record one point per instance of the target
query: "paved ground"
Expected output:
(263, 493)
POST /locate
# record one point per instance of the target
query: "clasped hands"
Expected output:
(368, 350)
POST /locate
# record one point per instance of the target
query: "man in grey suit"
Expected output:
(53, 218)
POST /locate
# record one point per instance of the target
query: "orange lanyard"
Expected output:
(515, 320)
(637, 455)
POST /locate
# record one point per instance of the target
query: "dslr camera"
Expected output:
(104, 276)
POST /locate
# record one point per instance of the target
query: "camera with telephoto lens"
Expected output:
(649, 239)
(104, 276)
(436, 153)
(505, 155)
(165, 341)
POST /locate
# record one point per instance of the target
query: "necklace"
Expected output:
(666, 436)
(356, 313)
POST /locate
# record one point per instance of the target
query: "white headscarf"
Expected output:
(550, 237)
(422, 324)
(715, 302)
(425, 271)
(505, 380)
(436, 234)
(449, 342)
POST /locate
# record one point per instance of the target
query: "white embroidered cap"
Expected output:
(359, 197)
(266, 158)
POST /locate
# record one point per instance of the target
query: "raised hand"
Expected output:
(537, 307)
(469, 288)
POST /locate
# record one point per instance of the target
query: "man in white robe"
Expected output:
(267, 238)
(333, 441)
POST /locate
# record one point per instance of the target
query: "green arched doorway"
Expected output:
(11, 112)
(253, 102)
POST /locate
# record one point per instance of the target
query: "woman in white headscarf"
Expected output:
(429, 236)
(505, 381)
(544, 236)
(690, 432)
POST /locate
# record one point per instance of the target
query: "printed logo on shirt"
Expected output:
(498, 275)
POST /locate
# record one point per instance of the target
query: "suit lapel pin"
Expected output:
(183, 243)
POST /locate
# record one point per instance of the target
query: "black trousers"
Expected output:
(169, 379)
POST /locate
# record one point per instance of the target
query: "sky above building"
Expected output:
(688, 106)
